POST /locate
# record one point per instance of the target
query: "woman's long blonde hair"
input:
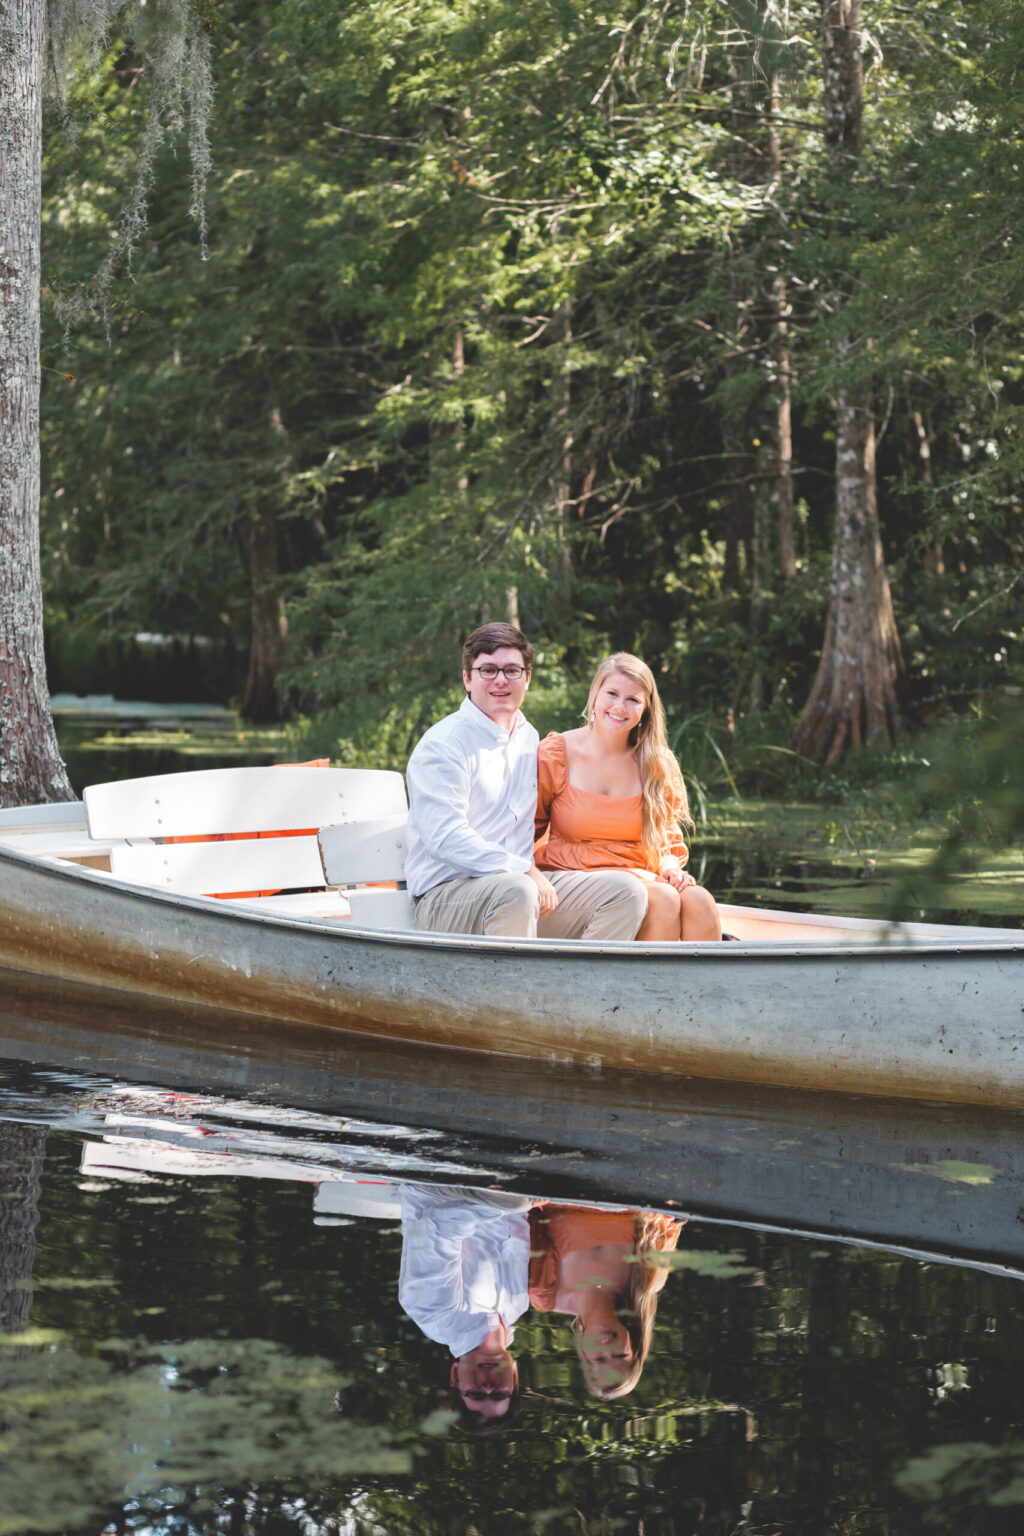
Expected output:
(661, 782)
(654, 1233)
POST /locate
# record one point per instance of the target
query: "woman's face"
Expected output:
(606, 1350)
(620, 704)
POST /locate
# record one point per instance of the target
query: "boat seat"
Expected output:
(215, 802)
(321, 904)
(244, 866)
(366, 859)
(238, 833)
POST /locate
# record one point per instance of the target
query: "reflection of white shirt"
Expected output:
(472, 799)
(465, 1264)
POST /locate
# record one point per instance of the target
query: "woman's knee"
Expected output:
(663, 899)
(662, 921)
(699, 914)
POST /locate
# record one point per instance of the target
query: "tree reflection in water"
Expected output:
(200, 1356)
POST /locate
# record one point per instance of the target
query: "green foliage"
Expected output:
(485, 327)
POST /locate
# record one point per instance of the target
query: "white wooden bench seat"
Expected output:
(356, 855)
(224, 816)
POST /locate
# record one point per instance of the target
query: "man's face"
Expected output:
(485, 1379)
(498, 697)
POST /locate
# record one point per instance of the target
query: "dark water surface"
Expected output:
(201, 1238)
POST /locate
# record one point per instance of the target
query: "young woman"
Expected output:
(598, 1266)
(611, 796)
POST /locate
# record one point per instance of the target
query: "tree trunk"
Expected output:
(933, 558)
(860, 688)
(782, 491)
(262, 702)
(859, 692)
(760, 574)
(736, 438)
(782, 372)
(31, 769)
(561, 421)
(737, 428)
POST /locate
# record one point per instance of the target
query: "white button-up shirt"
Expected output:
(472, 799)
(465, 1263)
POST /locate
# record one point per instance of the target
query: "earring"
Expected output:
(591, 718)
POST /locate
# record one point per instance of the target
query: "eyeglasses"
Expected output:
(489, 673)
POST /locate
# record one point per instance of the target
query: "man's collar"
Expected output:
(474, 715)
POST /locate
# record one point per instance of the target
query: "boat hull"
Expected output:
(941, 1180)
(943, 1022)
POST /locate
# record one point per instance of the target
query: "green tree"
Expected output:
(530, 310)
(859, 692)
(30, 765)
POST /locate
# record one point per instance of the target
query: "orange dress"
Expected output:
(588, 831)
(556, 1230)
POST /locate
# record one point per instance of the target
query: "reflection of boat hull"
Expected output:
(940, 1179)
(939, 1020)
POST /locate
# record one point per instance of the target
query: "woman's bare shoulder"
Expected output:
(576, 738)
(577, 743)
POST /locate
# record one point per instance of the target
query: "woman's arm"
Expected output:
(675, 855)
(550, 773)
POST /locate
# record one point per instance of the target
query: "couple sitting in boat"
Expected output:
(575, 838)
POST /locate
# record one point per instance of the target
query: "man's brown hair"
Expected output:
(493, 637)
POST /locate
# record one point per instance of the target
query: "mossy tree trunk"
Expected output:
(860, 688)
(31, 769)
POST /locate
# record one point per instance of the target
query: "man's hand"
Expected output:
(548, 894)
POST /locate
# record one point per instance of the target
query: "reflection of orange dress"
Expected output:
(588, 831)
(556, 1230)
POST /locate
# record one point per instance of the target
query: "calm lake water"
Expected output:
(202, 1329)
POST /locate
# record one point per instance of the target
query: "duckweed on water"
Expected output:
(955, 1172)
(954, 1480)
(149, 1423)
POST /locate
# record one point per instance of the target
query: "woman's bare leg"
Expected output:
(699, 916)
(663, 912)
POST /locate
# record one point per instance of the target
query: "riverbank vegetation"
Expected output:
(647, 326)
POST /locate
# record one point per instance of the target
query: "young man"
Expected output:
(472, 799)
(463, 1281)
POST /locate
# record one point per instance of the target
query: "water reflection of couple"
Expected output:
(472, 1263)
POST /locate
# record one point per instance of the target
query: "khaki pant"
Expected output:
(602, 905)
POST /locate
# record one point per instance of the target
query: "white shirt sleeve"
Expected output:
(464, 1266)
(439, 790)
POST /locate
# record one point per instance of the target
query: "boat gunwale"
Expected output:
(629, 950)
